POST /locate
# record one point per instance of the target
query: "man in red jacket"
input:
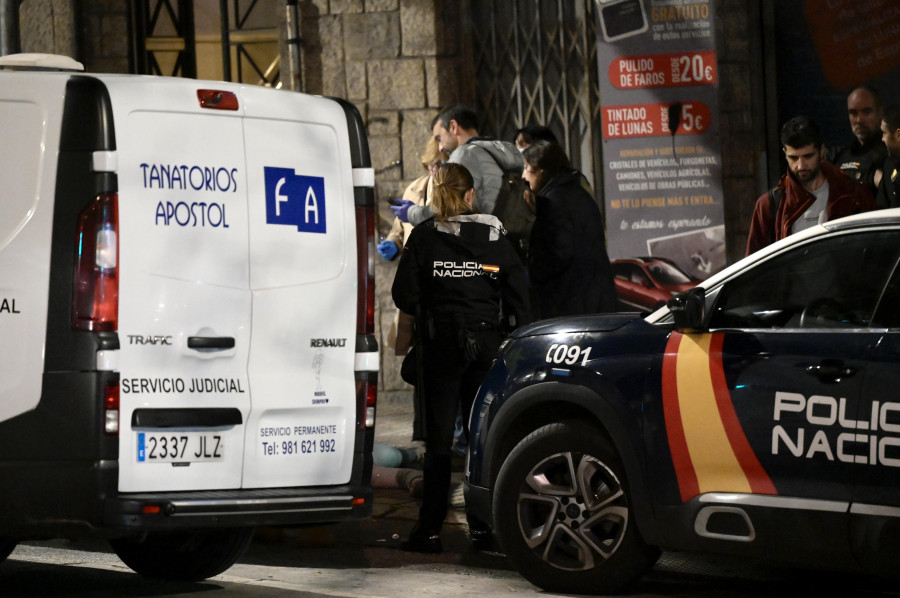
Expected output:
(812, 191)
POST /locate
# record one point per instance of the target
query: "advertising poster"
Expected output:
(661, 150)
(825, 48)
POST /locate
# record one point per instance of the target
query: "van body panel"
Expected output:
(30, 111)
(184, 275)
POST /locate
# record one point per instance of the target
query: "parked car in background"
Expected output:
(644, 283)
(755, 415)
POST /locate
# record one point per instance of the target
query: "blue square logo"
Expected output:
(295, 200)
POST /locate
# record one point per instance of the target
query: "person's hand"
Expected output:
(387, 249)
(400, 210)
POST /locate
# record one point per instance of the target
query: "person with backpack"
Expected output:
(461, 274)
(811, 192)
(568, 266)
(491, 162)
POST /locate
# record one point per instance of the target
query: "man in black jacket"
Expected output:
(862, 159)
(889, 189)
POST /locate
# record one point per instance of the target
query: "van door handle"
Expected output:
(210, 343)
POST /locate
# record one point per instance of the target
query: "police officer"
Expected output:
(464, 279)
(862, 159)
(889, 188)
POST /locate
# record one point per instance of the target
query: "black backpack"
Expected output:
(512, 207)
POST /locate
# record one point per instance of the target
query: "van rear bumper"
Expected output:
(237, 508)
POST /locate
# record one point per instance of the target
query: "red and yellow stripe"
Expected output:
(709, 449)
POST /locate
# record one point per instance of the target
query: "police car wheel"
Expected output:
(7, 545)
(183, 556)
(562, 513)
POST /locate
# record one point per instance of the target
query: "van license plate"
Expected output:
(179, 447)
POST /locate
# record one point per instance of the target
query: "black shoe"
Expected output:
(420, 540)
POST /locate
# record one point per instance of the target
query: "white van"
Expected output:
(186, 313)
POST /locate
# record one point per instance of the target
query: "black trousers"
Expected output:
(456, 360)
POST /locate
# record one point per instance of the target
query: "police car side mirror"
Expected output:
(689, 309)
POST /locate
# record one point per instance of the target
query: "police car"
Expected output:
(757, 415)
(186, 313)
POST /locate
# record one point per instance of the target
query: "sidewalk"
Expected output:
(393, 427)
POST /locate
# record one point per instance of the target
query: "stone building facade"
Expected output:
(398, 61)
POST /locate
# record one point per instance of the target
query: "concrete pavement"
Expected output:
(393, 427)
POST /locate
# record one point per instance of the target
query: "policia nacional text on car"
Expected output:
(468, 285)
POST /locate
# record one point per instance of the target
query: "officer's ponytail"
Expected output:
(451, 183)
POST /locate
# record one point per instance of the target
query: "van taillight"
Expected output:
(111, 408)
(95, 302)
(367, 392)
(365, 269)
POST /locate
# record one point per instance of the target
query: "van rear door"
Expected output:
(30, 114)
(301, 430)
(184, 300)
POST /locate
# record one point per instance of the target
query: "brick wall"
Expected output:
(398, 61)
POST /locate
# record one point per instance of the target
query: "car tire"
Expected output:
(183, 556)
(7, 545)
(562, 513)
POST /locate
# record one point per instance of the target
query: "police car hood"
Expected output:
(473, 234)
(586, 323)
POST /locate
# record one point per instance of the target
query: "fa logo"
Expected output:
(295, 199)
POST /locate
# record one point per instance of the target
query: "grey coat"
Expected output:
(483, 158)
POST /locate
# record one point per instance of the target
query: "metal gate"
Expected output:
(231, 40)
(535, 63)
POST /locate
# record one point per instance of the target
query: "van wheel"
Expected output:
(7, 545)
(184, 556)
(562, 513)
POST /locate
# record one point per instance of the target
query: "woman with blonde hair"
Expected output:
(418, 192)
(466, 282)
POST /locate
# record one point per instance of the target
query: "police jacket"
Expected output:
(845, 197)
(861, 161)
(889, 190)
(567, 263)
(463, 267)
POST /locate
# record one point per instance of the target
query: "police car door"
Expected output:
(303, 280)
(796, 344)
(875, 441)
(184, 300)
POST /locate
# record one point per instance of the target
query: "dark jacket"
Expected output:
(845, 197)
(889, 190)
(462, 267)
(568, 265)
(860, 162)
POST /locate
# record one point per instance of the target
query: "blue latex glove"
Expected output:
(401, 210)
(387, 249)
